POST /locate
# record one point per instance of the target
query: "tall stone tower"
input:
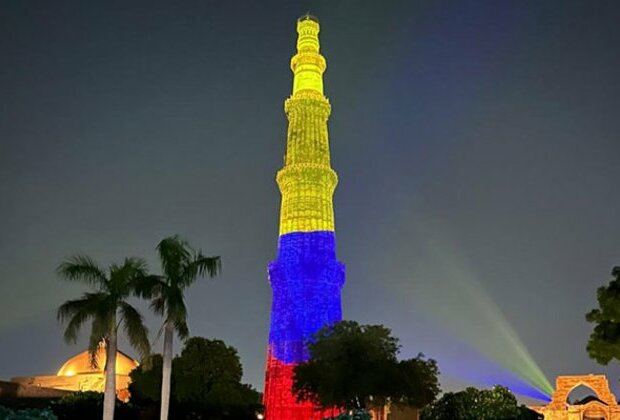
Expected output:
(306, 278)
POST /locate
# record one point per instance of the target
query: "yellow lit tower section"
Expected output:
(306, 278)
(307, 181)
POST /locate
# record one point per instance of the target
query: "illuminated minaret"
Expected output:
(306, 278)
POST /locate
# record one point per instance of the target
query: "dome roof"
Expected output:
(80, 364)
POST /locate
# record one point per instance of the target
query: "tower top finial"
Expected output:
(308, 64)
(308, 16)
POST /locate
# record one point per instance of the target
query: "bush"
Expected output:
(78, 405)
(355, 415)
(83, 405)
(27, 414)
(472, 404)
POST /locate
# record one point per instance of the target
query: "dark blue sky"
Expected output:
(477, 145)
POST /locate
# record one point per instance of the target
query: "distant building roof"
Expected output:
(81, 364)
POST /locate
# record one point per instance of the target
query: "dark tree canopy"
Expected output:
(206, 377)
(356, 366)
(205, 369)
(146, 381)
(497, 403)
(415, 382)
(604, 343)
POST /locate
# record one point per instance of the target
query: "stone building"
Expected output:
(603, 406)
(78, 374)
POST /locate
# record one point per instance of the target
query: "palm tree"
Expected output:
(181, 266)
(106, 308)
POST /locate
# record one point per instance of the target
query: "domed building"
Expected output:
(78, 374)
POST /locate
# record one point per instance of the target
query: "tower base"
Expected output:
(279, 400)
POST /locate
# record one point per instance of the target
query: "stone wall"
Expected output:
(12, 390)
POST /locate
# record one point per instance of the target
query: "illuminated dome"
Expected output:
(80, 364)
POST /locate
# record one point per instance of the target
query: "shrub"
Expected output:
(89, 404)
(27, 414)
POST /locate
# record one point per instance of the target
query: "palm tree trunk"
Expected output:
(109, 397)
(166, 370)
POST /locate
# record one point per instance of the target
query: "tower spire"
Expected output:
(308, 65)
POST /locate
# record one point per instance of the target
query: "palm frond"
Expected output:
(148, 286)
(82, 268)
(75, 324)
(174, 254)
(199, 266)
(158, 305)
(181, 265)
(181, 328)
(123, 277)
(76, 312)
(136, 331)
(211, 266)
(135, 266)
(175, 304)
(176, 312)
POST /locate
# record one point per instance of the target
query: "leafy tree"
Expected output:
(145, 385)
(497, 403)
(106, 309)
(219, 370)
(181, 267)
(414, 382)
(355, 367)
(604, 343)
(206, 380)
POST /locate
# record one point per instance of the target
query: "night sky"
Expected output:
(477, 145)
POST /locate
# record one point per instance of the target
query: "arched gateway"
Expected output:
(602, 407)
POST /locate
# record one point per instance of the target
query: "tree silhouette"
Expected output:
(106, 309)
